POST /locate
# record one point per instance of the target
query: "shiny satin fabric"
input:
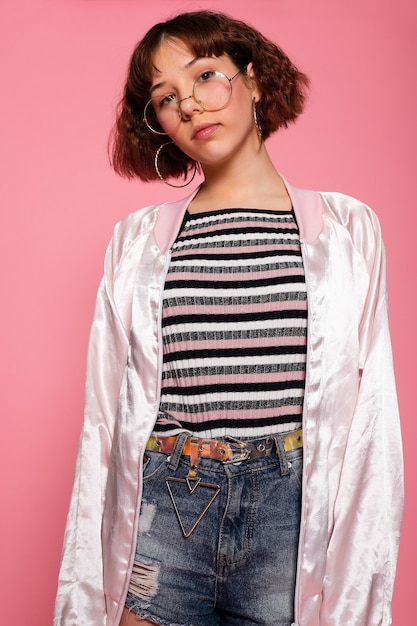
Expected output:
(353, 473)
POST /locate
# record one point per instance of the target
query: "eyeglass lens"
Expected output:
(212, 91)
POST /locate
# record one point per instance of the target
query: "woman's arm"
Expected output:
(80, 598)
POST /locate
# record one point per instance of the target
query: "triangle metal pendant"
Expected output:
(189, 480)
(192, 484)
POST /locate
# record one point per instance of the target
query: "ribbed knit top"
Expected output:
(234, 326)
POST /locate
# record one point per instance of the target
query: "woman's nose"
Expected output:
(188, 105)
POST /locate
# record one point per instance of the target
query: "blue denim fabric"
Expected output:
(238, 566)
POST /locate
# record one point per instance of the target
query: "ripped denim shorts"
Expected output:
(219, 549)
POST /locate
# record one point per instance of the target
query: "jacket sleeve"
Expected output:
(80, 597)
(364, 539)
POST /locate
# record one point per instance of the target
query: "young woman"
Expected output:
(240, 461)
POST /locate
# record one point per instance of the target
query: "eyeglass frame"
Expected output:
(178, 102)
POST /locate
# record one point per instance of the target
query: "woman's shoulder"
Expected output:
(346, 209)
(312, 207)
(140, 229)
(144, 219)
(359, 222)
(134, 224)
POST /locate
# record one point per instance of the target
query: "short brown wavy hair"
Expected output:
(206, 33)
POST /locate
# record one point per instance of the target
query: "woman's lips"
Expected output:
(203, 131)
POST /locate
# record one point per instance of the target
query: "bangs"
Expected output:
(204, 36)
(202, 40)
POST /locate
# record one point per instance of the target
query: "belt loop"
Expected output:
(194, 457)
(283, 463)
(176, 453)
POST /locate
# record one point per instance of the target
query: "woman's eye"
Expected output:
(165, 100)
(205, 76)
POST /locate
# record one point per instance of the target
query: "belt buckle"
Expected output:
(243, 452)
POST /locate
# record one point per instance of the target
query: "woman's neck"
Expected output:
(249, 183)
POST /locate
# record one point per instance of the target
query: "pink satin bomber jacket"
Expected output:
(353, 471)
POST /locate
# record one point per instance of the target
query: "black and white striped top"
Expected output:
(234, 326)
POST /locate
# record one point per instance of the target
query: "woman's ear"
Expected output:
(253, 82)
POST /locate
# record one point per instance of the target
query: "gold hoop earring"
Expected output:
(158, 152)
(257, 125)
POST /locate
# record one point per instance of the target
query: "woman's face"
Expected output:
(210, 137)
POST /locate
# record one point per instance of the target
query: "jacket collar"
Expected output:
(308, 209)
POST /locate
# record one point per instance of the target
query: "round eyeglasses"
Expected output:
(212, 91)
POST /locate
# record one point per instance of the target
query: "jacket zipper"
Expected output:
(302, 517)
(160, 349)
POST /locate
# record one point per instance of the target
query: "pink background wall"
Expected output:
(63, 66)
